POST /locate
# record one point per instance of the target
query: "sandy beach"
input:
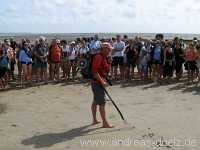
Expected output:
(57, 117)
(148, 50)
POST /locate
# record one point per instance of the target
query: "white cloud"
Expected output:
(100, 15)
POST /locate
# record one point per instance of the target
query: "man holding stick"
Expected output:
(100, 67)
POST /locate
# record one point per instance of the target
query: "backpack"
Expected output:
(85, 66)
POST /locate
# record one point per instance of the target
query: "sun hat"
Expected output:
(42, 39)
(106, 45)
(73, 42)
(58, 41)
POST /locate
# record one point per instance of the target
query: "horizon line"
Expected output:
(97, 33)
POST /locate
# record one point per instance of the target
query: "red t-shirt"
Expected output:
(55, 53)
(100, 65)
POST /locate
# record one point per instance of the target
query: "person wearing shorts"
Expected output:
(118, 57)
(100, 68)
(9, 51)
(191, 56)
(179, 60)
(73, 53)
(168, 63)
(25, 58)
(65, 64)
(131, 56)
(41, 53)
(157, 54)
(143, 63)
(55, 60)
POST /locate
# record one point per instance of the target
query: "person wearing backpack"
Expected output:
(100, 69)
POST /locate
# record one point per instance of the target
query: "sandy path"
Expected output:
(56, 117)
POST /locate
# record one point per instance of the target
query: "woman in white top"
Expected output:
(118, 57)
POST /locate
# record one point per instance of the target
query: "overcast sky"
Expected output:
(67, 16)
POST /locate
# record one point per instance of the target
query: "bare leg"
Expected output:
(25, 74)
(45, 74)
(115, 72)
(52, 69)
(68, 72)
(94, 111)
(112, 72)
(128, 73)
(154, 72)
(133, 72)
(73, 71)
(19, 65)
(38, 75)
(122, 72)
(1, 83)
(57, 71)
(189, 74)
(192, 76)
(103, 116)
(29, 73)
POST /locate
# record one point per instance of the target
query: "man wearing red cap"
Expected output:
(100, 68)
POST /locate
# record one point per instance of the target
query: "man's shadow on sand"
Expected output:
(50, 139)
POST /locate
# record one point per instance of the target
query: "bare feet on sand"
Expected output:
(107, 126)
(95, 122)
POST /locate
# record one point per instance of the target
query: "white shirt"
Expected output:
(72, 53)
(95, 47)
(66, 49)
(119, 48)
(83, 50)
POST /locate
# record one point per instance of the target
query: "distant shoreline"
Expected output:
(73, 36)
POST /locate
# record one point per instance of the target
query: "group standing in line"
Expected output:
(156, 59)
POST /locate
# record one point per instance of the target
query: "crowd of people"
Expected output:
(41, 62)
